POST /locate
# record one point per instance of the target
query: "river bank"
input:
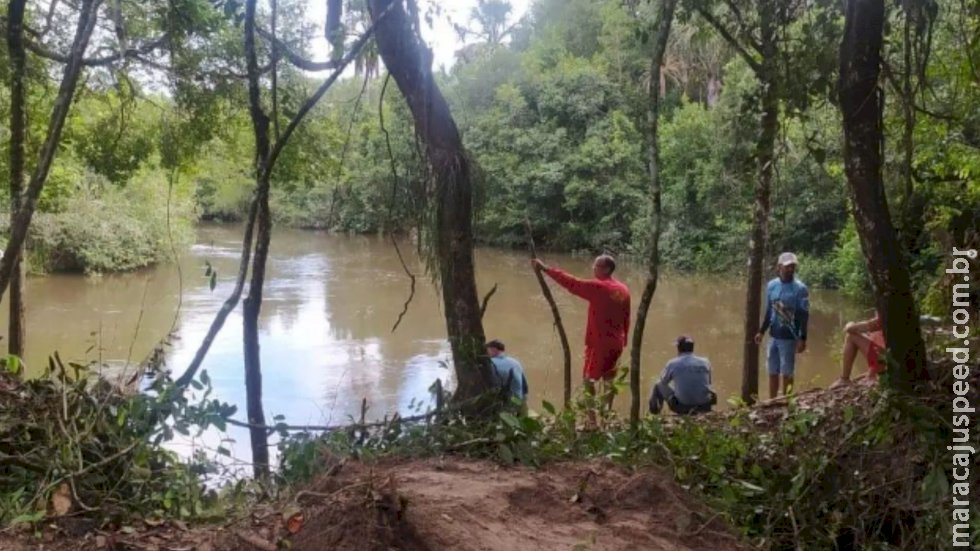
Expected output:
(850, 468)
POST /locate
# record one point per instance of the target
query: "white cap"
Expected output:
(786, 259)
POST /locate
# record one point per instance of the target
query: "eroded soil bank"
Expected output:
(452, 504)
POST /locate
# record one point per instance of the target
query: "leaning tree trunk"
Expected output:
(764, 154)
(409, 62)
(664, 19)
(18, 124)
(253, 303)
(88, 14)
(861, 107)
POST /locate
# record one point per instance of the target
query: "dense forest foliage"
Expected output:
(550, 107)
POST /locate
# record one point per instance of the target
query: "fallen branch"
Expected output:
(559, 326)
(468, 443)
(325, 496)
(395, 419)
(330, 428)
(256, 541)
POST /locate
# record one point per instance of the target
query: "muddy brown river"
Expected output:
(330, 304)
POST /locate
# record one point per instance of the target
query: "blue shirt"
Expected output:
(691, 376)
(787, 310)
(504, 366)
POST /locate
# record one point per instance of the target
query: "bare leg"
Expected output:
(590, 422)
(853, 343)
(773, 386)
(609, 393)
(787, 385)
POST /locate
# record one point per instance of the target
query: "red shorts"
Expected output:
(874, 350)
(600, 362)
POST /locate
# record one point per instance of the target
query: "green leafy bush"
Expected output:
(72, 443)
(104, 228)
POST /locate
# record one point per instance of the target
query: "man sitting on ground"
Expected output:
(508, 371)
(691, 377)
(865, 337)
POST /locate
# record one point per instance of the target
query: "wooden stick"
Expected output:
(255, 541)
(555, 314)
(439, 397)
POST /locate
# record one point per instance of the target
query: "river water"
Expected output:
(330, 304)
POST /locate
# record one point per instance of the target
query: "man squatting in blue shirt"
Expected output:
(690, 392)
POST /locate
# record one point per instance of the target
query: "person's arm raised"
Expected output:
(584, 288)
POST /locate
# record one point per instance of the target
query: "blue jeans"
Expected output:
(781, 357)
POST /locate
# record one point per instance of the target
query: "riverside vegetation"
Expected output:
(768, 472)
(551, 117)
(672, 130)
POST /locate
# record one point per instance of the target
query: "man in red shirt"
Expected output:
(608, 324)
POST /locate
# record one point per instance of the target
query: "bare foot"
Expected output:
(840, 383)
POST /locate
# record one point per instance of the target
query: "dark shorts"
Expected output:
(600, 362)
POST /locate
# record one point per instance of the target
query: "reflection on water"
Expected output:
(330, 303)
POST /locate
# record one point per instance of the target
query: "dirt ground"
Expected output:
(454, 504)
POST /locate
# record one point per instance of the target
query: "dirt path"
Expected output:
(454, 504)
(478, 507)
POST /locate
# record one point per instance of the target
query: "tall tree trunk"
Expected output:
(18, 125)
(911, 220)
(410, 63)
(861, 107)
(253, 302)
(66, 91)
(764, 154)
(664, 19)
(908, 113)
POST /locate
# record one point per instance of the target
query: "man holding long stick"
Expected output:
(608, 323)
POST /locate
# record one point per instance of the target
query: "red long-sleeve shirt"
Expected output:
(609, 307)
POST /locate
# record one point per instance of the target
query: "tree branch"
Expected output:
(296, 59)
(312, 100)
(732, 41)
(486, 301)
(230, 303)
(756, 45)
(128, 53)
(411, 293)
(275, 71)
(117, 19)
